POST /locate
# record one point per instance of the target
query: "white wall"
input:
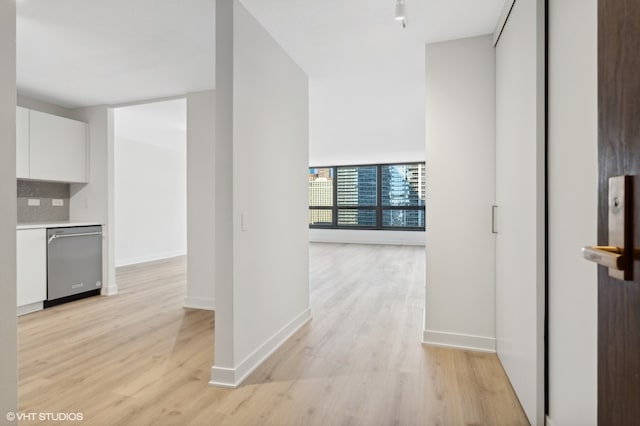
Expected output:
(95, 201)
(269, 287)
(520, 196)
(150, 181)
(150, 200)
(201, 112)
(357, 119)
(573, 183)
(8, 348)
(460, 123)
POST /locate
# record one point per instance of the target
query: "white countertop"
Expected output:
(54, 225)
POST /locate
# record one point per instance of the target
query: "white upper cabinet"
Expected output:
(57, 148)
(22, 142)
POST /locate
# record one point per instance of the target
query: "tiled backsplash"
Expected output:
(32, 192)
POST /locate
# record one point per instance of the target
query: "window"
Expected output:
(321, 196)
(382, 196)
(403, 194)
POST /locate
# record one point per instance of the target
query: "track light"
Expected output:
(401, 13)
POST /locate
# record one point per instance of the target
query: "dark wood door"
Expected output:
(618, 154)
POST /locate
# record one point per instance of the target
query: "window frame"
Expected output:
(379, 208)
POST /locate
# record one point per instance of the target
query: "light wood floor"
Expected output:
(139, 358)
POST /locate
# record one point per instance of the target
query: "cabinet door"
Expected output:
(58, 148)
(22, 142)
(31, 254)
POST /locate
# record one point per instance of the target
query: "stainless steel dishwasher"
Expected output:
(74, 263)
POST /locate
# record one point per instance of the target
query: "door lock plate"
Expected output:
(620, 229)
(619, 255)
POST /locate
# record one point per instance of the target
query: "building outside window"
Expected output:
(321, 196)
(381, 196)
(403, 185)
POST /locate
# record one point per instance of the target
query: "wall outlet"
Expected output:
(57, 202)
(33, 202)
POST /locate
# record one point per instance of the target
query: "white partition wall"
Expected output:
(520, 196)
(201, 128)
(261, 206)
(95, 201)
(573, 184)
(460, 145)
(8, 347)
(223, 216)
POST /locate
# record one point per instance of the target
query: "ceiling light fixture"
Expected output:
(401, 13)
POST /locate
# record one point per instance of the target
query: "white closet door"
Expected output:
(520, 196)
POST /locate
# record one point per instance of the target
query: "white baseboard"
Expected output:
(223, 377)
(362, 236)
(233, 377)
(200, 303)
(109, 290)
(547, 421)
(149, 258)
(459, 341)
(32, 307)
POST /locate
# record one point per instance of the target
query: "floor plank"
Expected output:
(140, 358)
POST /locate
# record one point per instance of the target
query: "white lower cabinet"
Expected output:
(31, 253)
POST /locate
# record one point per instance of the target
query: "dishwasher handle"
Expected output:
(56, 236)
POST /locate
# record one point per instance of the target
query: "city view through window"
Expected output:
(382, 196)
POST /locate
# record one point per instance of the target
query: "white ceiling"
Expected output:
(88, 52)
(91, 52)
(330, 37)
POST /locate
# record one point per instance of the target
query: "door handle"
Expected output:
(619, 255)
(609, 256)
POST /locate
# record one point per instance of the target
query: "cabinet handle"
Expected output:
(56, 236)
